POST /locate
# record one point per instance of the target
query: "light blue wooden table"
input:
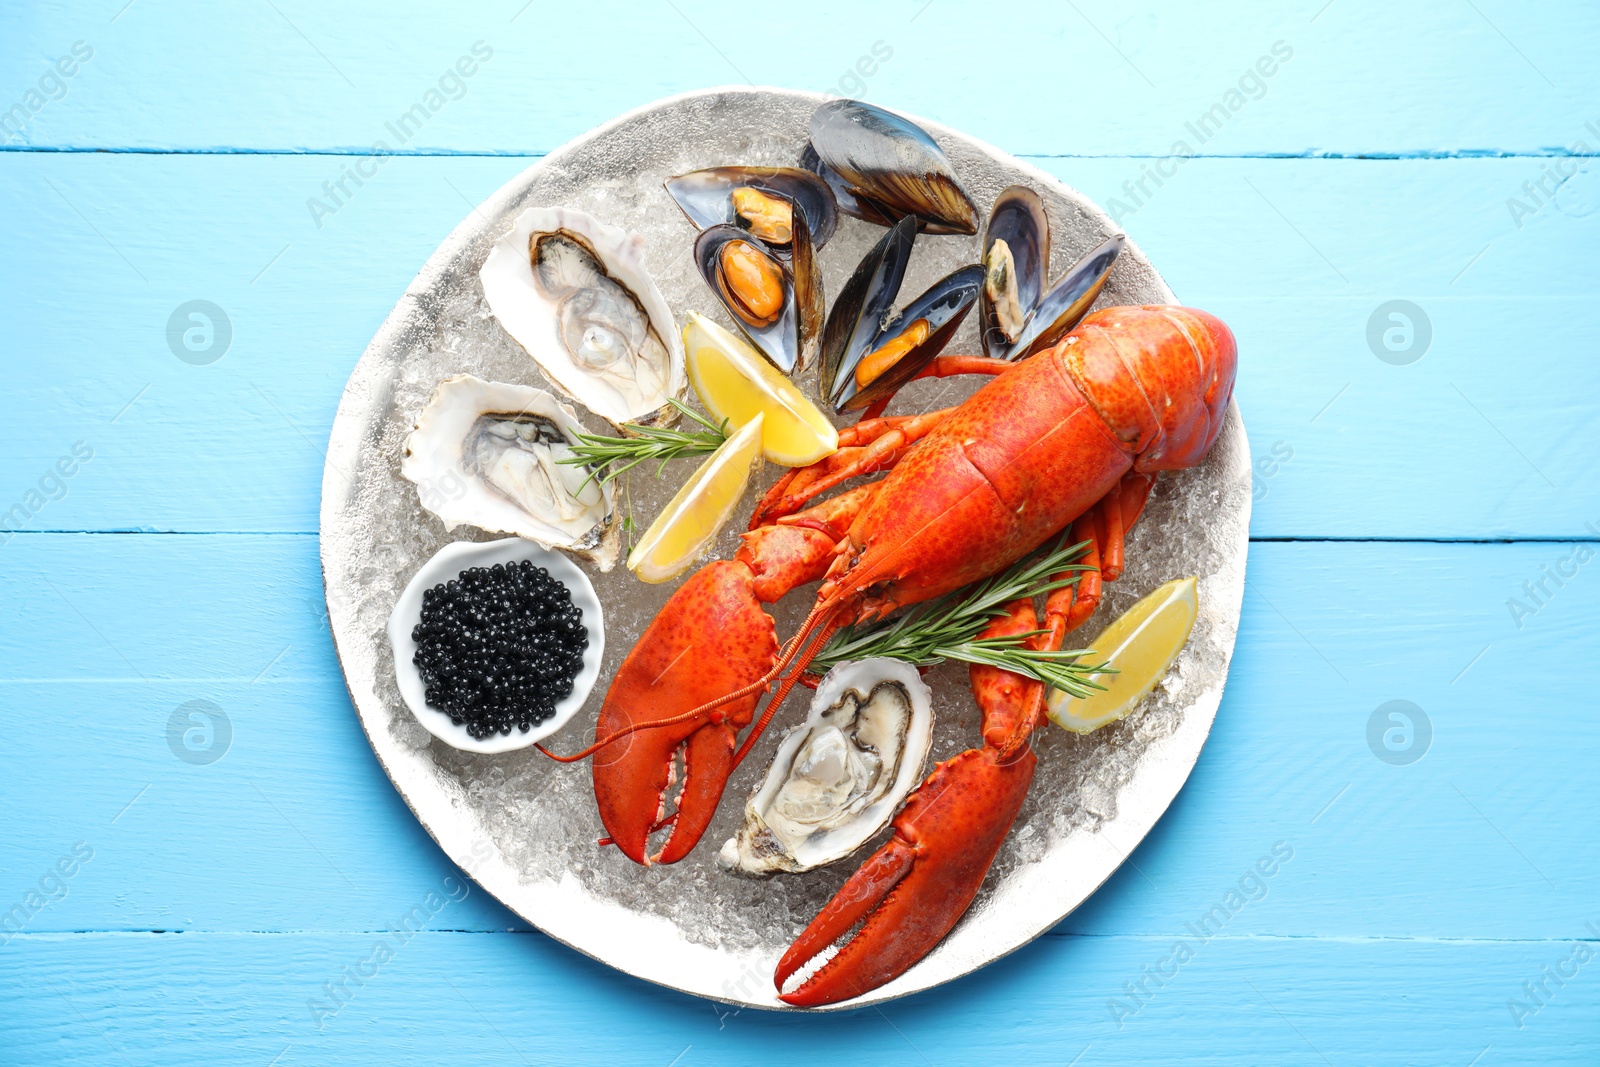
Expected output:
(1427, 512)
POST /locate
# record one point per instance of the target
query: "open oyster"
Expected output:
(487, 454)
(838, 778)
(575, 294)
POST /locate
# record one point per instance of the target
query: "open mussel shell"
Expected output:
(865, 302)
(714, 197)
(1067, 301)
(844, 198)
(759, 290)
(1016, 255)
(892, 163)
(908, 344)
(811, 303)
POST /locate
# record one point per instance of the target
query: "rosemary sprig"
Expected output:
(948, 628)
(613, 456)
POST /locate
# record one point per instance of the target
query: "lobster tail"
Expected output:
(1168, 411)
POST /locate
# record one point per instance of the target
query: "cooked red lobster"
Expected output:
(1072, 436)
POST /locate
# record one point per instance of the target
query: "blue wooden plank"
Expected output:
(1360, 77)
(1331, 632)
(1486, 435)
(1426, 904)
(204, 999)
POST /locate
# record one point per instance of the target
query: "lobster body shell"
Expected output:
(1130, 391)
(1035, 448)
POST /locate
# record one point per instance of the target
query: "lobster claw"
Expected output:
(711, 638)
(913, 889)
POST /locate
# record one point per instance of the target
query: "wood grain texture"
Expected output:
(1095, 78)
(1487, 436)
(1421, 901)
(1330, 632)
(205, 999)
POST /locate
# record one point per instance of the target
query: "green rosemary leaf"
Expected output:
(611, 457)
(948, 628)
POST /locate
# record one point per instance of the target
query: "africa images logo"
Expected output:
(1251, 85)
(451, 85)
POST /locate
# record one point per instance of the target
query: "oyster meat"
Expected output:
(487, 454)
(575, 294)
(838, 778)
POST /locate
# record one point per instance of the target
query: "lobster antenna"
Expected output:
(787, 656)
(832, 627)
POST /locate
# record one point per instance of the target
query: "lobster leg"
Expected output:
(872, 444)
(910, 893)
(1105, 527)
(941, 367)
(883, 443)
(710, 639)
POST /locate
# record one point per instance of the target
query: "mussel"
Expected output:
(761, 200)
(882, 167)
(777, 305)
(847, 201)
(866, 354)
(1018, 317)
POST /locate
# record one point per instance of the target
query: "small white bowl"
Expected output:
(446, 565)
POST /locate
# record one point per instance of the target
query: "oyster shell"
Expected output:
(838, 778)
(575, 294)
(486, 454)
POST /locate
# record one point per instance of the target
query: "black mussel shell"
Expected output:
(943, 307)
(1068, 300)
(847, 201)
(706, 196)
(1018, 219)
(891, 162)
(779, 340)
(862, 207)
(865, 301)
(811, 303)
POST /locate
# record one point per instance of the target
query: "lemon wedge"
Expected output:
(735, 383)
(1141, 644)
(692, 518)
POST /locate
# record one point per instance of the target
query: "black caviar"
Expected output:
(498, 647)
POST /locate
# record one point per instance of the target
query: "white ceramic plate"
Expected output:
(525, 827)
